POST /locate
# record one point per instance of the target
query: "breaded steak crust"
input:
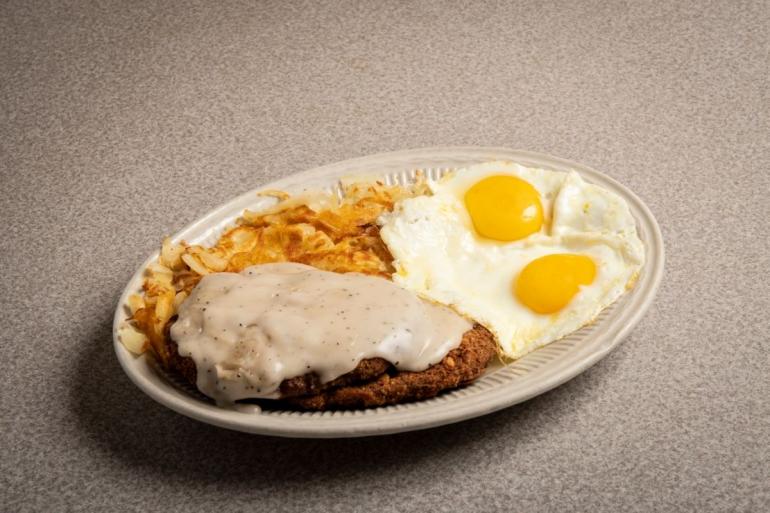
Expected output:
(459, 367)
(375, 382)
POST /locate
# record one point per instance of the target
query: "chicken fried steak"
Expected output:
(375, 381)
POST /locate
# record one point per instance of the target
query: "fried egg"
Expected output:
(531, 254)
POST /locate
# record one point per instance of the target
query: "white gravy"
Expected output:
(248, 332)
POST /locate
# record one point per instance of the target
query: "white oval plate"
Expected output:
(501, 386)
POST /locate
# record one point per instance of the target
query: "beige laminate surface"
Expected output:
(122, 121)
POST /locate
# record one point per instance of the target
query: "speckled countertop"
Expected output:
(122, 121)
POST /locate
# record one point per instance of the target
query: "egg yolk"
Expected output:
(504, 208)
(547, 284)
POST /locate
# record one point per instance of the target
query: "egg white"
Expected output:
(439, 255)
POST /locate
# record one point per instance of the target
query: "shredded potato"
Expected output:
(321, 230)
